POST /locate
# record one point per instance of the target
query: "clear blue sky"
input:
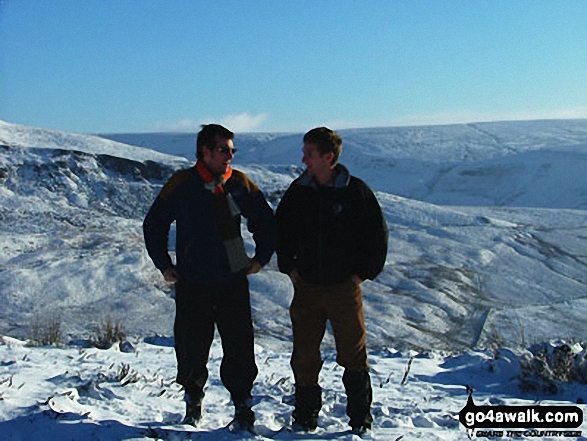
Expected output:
(98, 66)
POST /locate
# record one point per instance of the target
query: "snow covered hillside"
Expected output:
(71, 211)
(488, 245)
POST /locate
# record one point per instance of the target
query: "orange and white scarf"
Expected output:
(226, 211)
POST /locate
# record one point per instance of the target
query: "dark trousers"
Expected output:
(198, 310)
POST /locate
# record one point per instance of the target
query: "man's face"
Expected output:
(219, 159)
(318, 166)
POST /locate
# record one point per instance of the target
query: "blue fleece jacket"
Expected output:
(200, 252)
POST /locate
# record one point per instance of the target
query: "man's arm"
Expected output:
(263, 226)
(156, 233)
(374, 241)
(286, 224)
(260, 222)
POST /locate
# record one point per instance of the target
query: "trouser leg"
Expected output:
(344, 306)
(193, 333)
(309, 325)
(308, 320)
(345, 312)
(238, 369)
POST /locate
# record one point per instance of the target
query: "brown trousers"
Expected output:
(311, 308)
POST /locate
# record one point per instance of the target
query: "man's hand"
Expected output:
(254, 268)
(357, 280)
(171, 275)
(295, 277)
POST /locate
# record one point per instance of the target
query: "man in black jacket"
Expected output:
(331, 237)
(210, 276)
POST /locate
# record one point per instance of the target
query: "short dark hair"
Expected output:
(326, 140)
(207, 137)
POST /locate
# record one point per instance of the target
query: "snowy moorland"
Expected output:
(488, 248)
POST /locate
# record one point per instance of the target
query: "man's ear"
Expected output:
(205, 151)
(330, 157)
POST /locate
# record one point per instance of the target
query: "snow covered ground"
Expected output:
(488, 244)
(88, 393)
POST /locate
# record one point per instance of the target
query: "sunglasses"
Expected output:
(226, 150)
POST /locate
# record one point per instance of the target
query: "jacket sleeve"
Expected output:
(260, 221)
(375, 237)
(263, 227)
(156, 232)
(286, 233)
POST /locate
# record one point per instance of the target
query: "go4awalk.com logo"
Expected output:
(521, 421)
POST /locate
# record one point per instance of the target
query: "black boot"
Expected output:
(244, 417)
(193, 408)
(357, 385)
(308, 402)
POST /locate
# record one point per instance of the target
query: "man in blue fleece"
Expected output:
(207, 202)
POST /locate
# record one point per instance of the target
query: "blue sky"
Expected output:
(106, 66)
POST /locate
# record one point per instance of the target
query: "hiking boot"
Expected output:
(306, 425)
(308, 401)
(361, 430)
(359, 398)
(193, 408)
(244, 417)
(193, 414)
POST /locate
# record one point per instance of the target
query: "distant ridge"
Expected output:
(511, 163)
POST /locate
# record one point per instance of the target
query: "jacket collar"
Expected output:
(341, 180)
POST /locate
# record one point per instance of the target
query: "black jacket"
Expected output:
(200, 252)
(329, 234)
